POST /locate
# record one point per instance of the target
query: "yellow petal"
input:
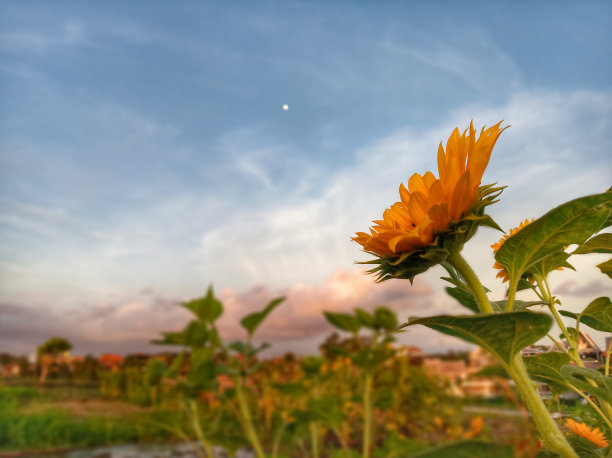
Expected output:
(417, 206)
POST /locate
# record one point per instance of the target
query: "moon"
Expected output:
(285, 107)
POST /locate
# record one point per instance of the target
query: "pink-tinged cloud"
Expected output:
(301, 315)
(131, 325)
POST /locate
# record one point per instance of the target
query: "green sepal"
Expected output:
(501, 334)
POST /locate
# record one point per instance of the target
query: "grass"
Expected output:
(25, 427)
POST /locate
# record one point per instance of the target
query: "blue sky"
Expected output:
(144, 151)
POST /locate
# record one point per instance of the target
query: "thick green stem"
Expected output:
(314, 438)
(551, 435)
(367, 415)
(549, 431)
(511, 294)
(195, 423)
(607, 366)
(247, 421)
(457, 261)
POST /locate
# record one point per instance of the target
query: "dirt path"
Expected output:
(88, 407)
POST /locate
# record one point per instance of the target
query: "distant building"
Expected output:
(110, 362)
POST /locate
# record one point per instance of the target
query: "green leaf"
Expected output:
(292, 389)
(466, 449)
(492, 371)
(311, 365)
(251, 321)
(370, 358)
(464, 297)
(500, 306)
(206, 308)
(385, 319)
(546, 368)
(597, 315)
(501, 334)
(577, 376)
(343, 321)
(553, 262)
(571, 223)
(364, 317)
(601, 243)
(606, 267)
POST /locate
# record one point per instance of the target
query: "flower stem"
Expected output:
(246, 416)
(549, 431)
(367, 415)
(456, 260)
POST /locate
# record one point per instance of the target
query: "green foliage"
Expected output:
(252, 321)
(601, 243)
(343, 321)
(207, 308)
(580, 376)
(501, 334)
(571, 223)
(546, 368)
(54, 346)
(597, 315)
(466, 449)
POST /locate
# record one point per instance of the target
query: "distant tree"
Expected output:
(51, 354)
(54, 346)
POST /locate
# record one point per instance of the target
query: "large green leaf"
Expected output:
(597, 315)
(571, 223)
(502, 334)
(578, 376)
(601, 243)
(546, 368)
(606, 267)
(343, 321)
(207, 308)
(466, 449)
(251, 321)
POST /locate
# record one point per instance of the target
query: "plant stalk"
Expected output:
(195, 422)
(367, 415)
(461, 265)
(549, 431)
(551, 435)
(247, 421)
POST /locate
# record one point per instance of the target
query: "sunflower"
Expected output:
(430, 205)
(503, 273)
(594, 435)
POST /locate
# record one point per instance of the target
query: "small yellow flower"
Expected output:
(430, 204)
(503, 274)
(475, 428)
(594, 435)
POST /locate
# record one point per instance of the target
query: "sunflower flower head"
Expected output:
(435, 214)
(503, 273)
(592, 434)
